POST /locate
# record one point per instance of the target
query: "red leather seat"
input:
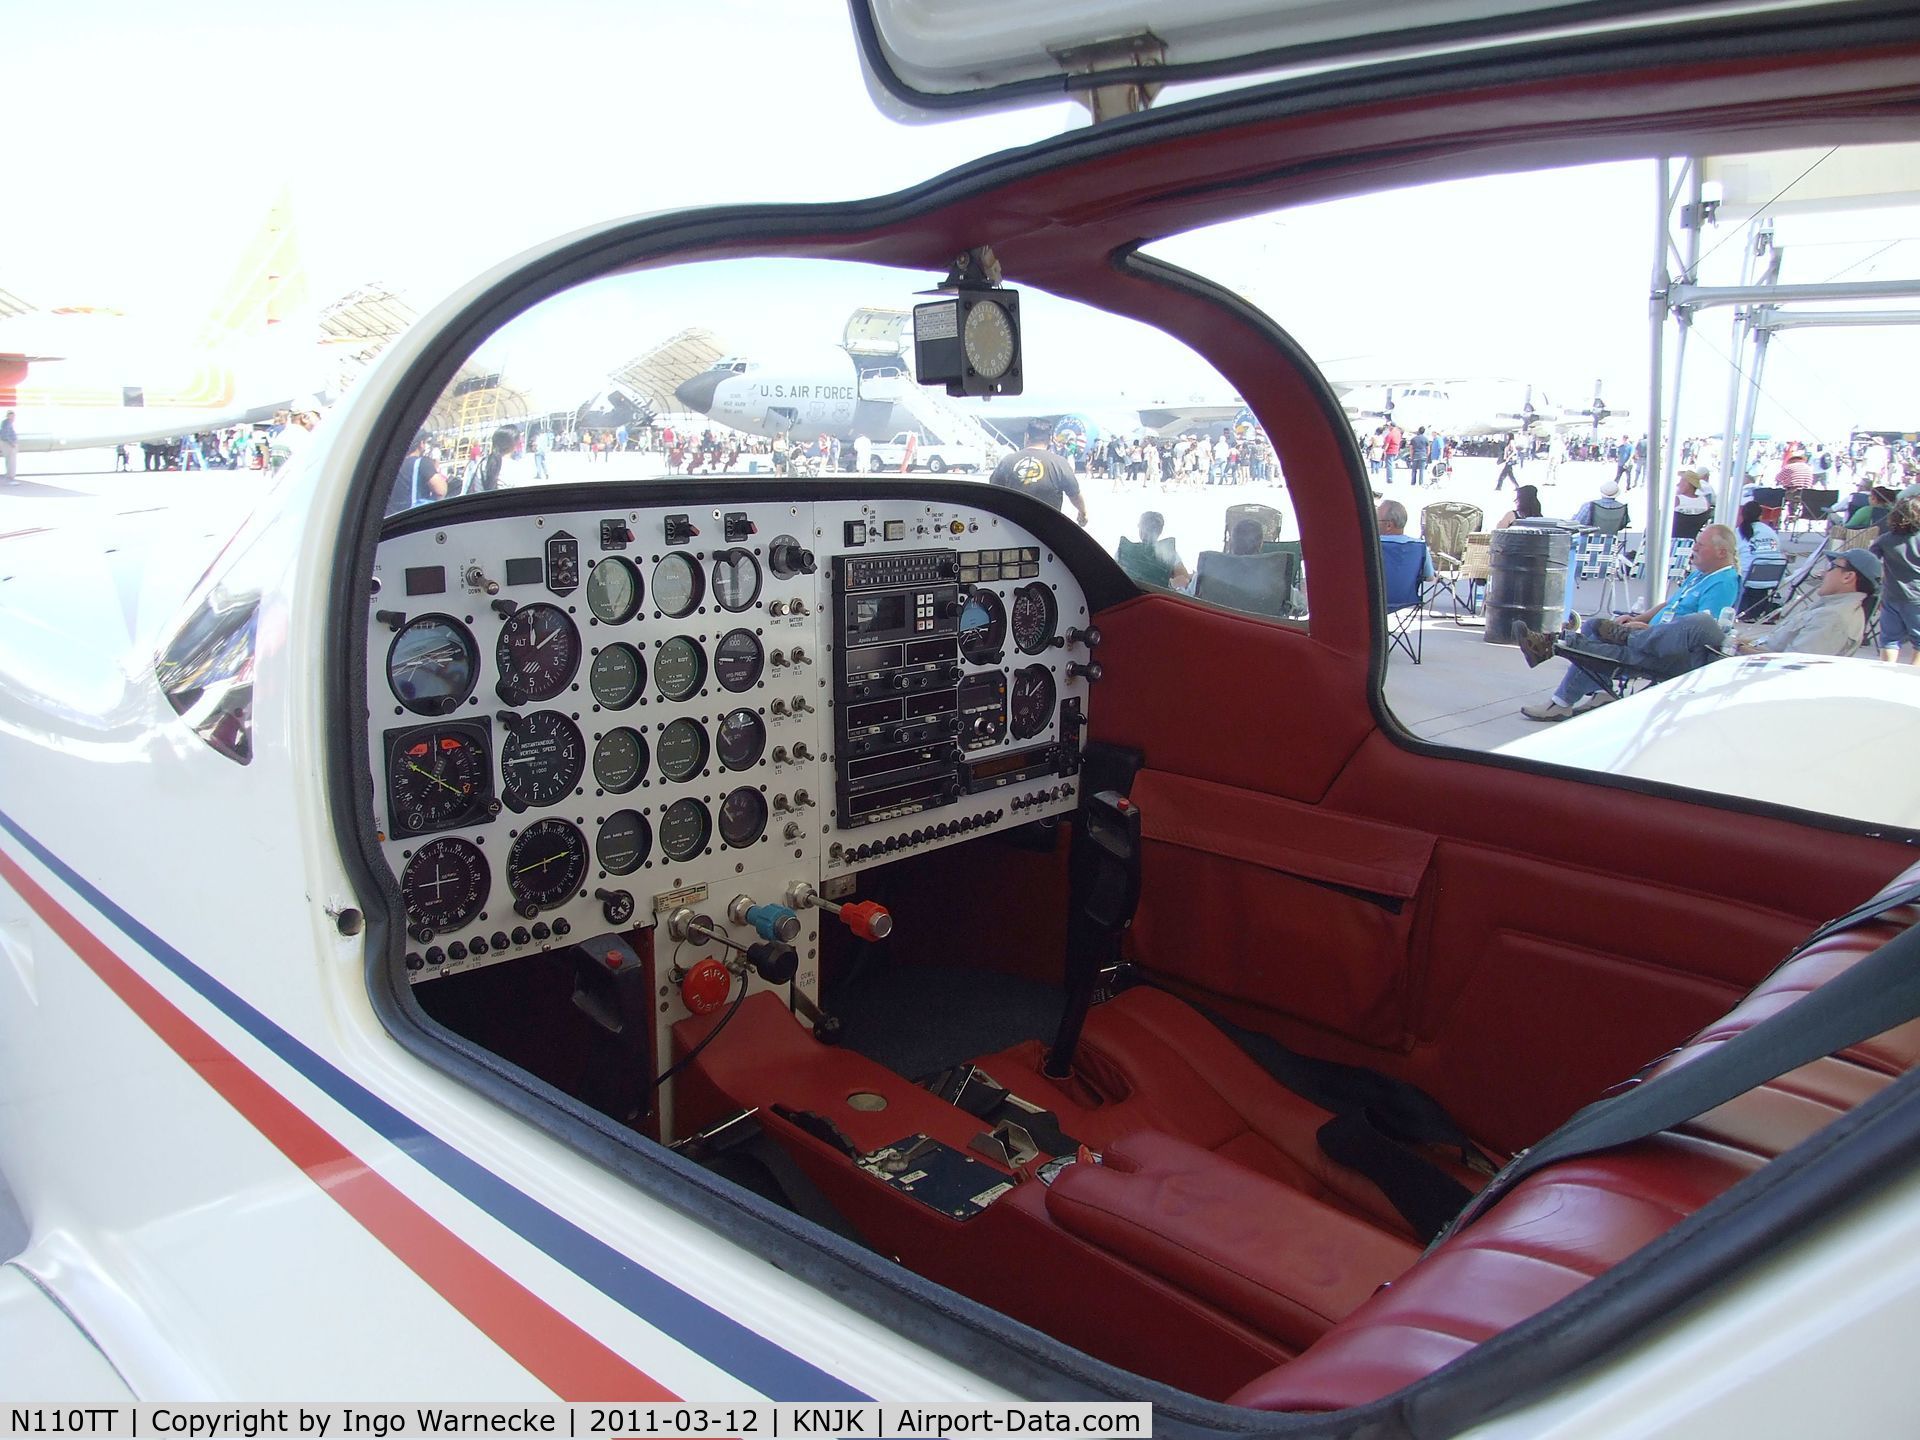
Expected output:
(1571, 1222)
(1160, 1065)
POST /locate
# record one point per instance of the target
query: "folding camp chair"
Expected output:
(1763, 580)
(1445, 526)
(1256, 584)
(1402, 563)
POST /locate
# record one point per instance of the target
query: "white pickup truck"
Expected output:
(886, 455)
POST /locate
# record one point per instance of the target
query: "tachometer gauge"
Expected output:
(1035, 616)
(983, 628)
(1030, 703)
(540, 760)
(545, 865)
(432, 665)
(438, 777)
(743, 817)
(679, 667)
(738, 660)
(736, 579)
(619, 760)
(624, 842)
(616, 675)
(613, 590)
(988, 339)
(538, 653)
(742, 738)
(681, 750)
(684, 828)
(678, 584)
(445, 884)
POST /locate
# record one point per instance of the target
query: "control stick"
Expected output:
(867, 919)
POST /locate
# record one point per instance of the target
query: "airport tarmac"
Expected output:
(1465, 692)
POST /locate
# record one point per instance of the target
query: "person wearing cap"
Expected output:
(1872, 509)
(1834, 622)
(1608, 513)
(1037, 471)
(1898, 550)
(1795, 472)
(1692, 497)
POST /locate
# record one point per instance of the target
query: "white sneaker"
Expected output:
(1546, 710)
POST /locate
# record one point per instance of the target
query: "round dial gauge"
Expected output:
(736, 579)
(540, 760)
(445, 884)
(432, 665)
(613, 590)
(679, 667)
(619, 760)
(678, 584)
(436, 779)
(681, 750)
(546, 865)
(538, 653)
(743, 817)
(742, 739)
(1030, 702)
(738, 660)
(1036, 614)
(988, 338)
(684, 828)
(624, 842)
(616, 675)
(983, 628)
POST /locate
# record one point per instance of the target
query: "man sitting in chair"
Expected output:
(1642, 641)
(1154, 559)
(1393, 530)
(1607, 512)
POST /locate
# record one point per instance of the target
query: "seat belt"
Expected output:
(1872, 997)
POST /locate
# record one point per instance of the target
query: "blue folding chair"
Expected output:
(1403, 564)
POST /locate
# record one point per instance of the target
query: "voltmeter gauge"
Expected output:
(681, 750)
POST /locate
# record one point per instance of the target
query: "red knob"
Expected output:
(706, 986)
(867, 919)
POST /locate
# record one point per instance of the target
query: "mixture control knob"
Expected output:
(1091, 671)
(800, 751)
(705, 987)
(1088, 636)
(616, 905)
(867, 919)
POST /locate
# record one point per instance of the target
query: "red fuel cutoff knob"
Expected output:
(704, 988)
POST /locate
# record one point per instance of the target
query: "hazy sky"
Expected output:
(423, 142)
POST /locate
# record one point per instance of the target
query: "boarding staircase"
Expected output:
(939, 420)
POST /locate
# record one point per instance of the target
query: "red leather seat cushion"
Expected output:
(1266, 1254)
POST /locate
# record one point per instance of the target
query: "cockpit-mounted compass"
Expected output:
(538, 654)
(970, 342)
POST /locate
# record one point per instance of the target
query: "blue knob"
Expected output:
(773, 922)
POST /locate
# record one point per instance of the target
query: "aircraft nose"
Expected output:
(697, 393)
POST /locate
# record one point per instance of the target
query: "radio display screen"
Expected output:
(879, 614)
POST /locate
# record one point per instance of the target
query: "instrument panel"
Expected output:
(578, 717)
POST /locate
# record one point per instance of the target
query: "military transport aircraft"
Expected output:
(822, 938)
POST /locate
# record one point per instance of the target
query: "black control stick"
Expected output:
(1104, 890)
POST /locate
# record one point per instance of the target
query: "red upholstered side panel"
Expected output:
(1217, 696)
(1284, 1263)
(1249, 896)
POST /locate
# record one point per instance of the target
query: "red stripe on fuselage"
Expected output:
(561, 1355)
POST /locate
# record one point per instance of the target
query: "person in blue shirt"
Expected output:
(1713, 585)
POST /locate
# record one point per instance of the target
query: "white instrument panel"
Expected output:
(556, 751)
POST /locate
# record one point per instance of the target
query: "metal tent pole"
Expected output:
(1659, 527)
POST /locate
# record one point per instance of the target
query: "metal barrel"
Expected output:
(1526, 582)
